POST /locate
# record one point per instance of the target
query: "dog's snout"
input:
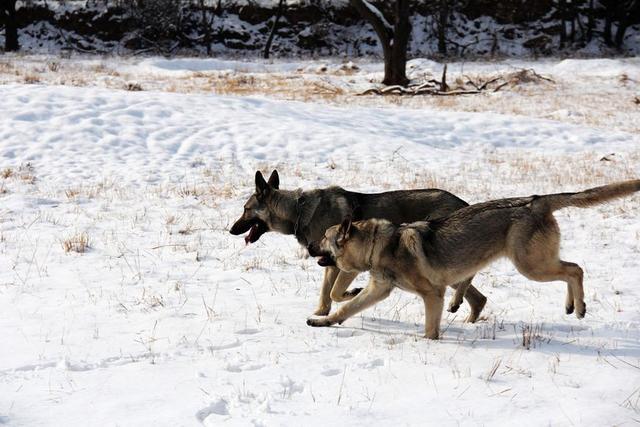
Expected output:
(312, 248)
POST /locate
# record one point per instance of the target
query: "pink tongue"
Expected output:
(248, 237)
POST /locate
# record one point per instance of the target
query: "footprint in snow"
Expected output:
(372, 364)
(347, 333)
(234, 344)
(247, 331)
(331, 372)
(218, 407)
(239, 367)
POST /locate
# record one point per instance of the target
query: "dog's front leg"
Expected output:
(433, 305)
(339, 291)
(375, 291)
(324, 305)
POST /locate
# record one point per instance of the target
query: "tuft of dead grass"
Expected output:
(78, 243)
(189, 190)
(31, 79)
(133, 87)
(6, 173)
(53, 66)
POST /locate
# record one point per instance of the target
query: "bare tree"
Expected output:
(393, 38)
(623, 13)
(8, 11)
(627, 10)
(274, 27)
(590, 20)
(159, 22)
(442, 20)
(207, 16)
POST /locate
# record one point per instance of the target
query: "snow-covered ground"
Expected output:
(601, 93)
(167, 319)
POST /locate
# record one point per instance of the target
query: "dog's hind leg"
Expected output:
(476, 301)
(324, 305)
(460, 291)
(537, 259)
(560, 270)
(374, 292)
(339, 291)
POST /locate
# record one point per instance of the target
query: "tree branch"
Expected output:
(374, 16)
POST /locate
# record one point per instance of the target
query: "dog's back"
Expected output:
(402, 206)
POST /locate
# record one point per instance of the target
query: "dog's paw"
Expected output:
(319, 321)
(472, 318)
(581, 312)
(352, 293)
(453, 307)
(432, 336)
(569, 309)
(322, 311)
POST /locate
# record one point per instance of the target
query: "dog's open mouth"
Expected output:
(326, 261)
(256, 230)
(255, 227)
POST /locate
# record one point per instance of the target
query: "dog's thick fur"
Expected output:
(308, 214)
(425, 257)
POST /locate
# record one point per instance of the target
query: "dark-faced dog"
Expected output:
(308, 214)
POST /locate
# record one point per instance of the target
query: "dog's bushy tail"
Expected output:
(590, 197)
(410, 238)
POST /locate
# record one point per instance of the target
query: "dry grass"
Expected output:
(71, 193)
(189, 190)
(587, 101)
(31, 79)
(53, 66)
(77, 243)
(6, 173)
(24, 173)
(133, 87)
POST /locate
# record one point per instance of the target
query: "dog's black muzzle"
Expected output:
(324, 258)
(256, 228)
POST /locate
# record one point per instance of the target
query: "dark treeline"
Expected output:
(434, 28)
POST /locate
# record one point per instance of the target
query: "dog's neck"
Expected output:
(285, 208)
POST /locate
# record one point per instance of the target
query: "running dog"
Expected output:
(425, 257)
(308, 214)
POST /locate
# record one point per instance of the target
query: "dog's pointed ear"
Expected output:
(345, 229)
(274, 180)
(262, 187)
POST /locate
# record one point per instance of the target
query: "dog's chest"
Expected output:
(394, 278)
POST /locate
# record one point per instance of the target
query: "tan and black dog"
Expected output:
(308, 214)
(426, 257)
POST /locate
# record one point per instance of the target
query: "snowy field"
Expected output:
(597, 92)
(167, 319)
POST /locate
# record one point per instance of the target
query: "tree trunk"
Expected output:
(608, 21)
(572, 35)
(590, 22)
(402, 30)
(622, 28)
(562, 10)
(393, 39)
(206, 27)
(443, 15)
(607, 30)
(279, 12)
(10, 28)
(626, 11)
